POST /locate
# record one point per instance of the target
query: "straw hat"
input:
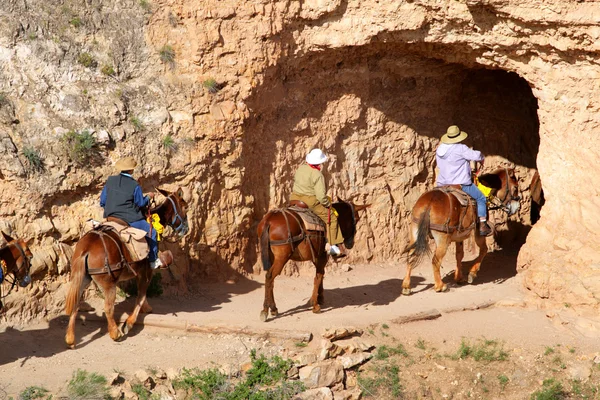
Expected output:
(454, 135)
(126, 164)
(316, 157)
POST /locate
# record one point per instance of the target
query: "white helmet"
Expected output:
(316, 157)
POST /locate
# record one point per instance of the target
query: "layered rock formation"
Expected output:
(224, 99)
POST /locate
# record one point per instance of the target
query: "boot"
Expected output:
(165, 258)
(336, 252)
(484, 229)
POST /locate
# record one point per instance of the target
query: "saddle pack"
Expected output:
(133, 238)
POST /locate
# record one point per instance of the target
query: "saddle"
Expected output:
(463, 198)
(311, 221)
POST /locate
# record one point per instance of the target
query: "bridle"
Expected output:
(182, 223)
(25, 263)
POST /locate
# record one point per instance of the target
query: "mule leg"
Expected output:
(481, 243)
(317, 295)
(143, 281)
(460, 253)
(442, 242)
(70, 336)
(280, 256)
(110, 294)
(406, 290)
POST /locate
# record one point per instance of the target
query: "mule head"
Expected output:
(347, 219)
(506, 188)
(175, 212)
(18, 261)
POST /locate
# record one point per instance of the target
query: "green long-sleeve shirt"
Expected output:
(311, 182)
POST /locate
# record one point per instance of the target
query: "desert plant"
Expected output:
(503, 380)
(551, 390)
(384, 352)
(485, 350)
(169, 143)
(211, 85)
(80, 146)
(75, 22)
(167, 54)
(385, 385)
(107, 70)
(34, 159)
(33, 392)
(145, 4)
(420, 344)
(137, 124)
(87, 60)
(87, 385)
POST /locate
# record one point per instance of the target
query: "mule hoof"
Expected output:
(146, 309)
(316, 310)
(125, 328)
(274, 313)
(471, 278)
(406, 291)
(263, 316)
(441, 289)
(117, 336)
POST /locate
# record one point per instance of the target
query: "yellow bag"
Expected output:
(484, 189)
(157, 226)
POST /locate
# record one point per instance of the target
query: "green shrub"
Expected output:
(145, 5)
(551, 390)
(384, 352)
(75, 22)
(211, 85)
(87, 60)
(486, 350)
(265, 380)
(107, 70)
(33, 392)
(80, 146)
(385, 384)
(34, 159)
(87, 385)
(155, 288)
(169, 143)
(137, 124)
(167, 54)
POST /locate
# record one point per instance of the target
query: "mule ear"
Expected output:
(163, 192)
(7, 238)
(180, 193)
(361, 207)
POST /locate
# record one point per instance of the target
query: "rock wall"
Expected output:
(224, 98)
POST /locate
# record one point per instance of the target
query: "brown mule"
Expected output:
(17, 260)
(439, 215)
(284, 237)
(105, 259)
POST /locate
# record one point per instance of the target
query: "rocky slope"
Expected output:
(224, 98)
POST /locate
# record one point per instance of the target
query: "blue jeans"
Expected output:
(479, 197)
(152, 243)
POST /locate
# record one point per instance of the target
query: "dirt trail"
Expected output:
(365, 296)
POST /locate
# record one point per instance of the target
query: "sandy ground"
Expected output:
(365, 296)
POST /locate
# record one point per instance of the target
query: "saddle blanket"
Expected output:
(133, 238)
(311, 221)
(463, 198)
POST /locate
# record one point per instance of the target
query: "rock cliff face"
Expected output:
(224, 98)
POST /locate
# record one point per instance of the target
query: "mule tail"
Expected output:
(78, 273)
(420, 247)
(264, 247)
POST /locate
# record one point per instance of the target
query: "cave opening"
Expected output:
(379, 112)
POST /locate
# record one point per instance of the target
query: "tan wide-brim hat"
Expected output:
(454, 135)
(126, 164)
